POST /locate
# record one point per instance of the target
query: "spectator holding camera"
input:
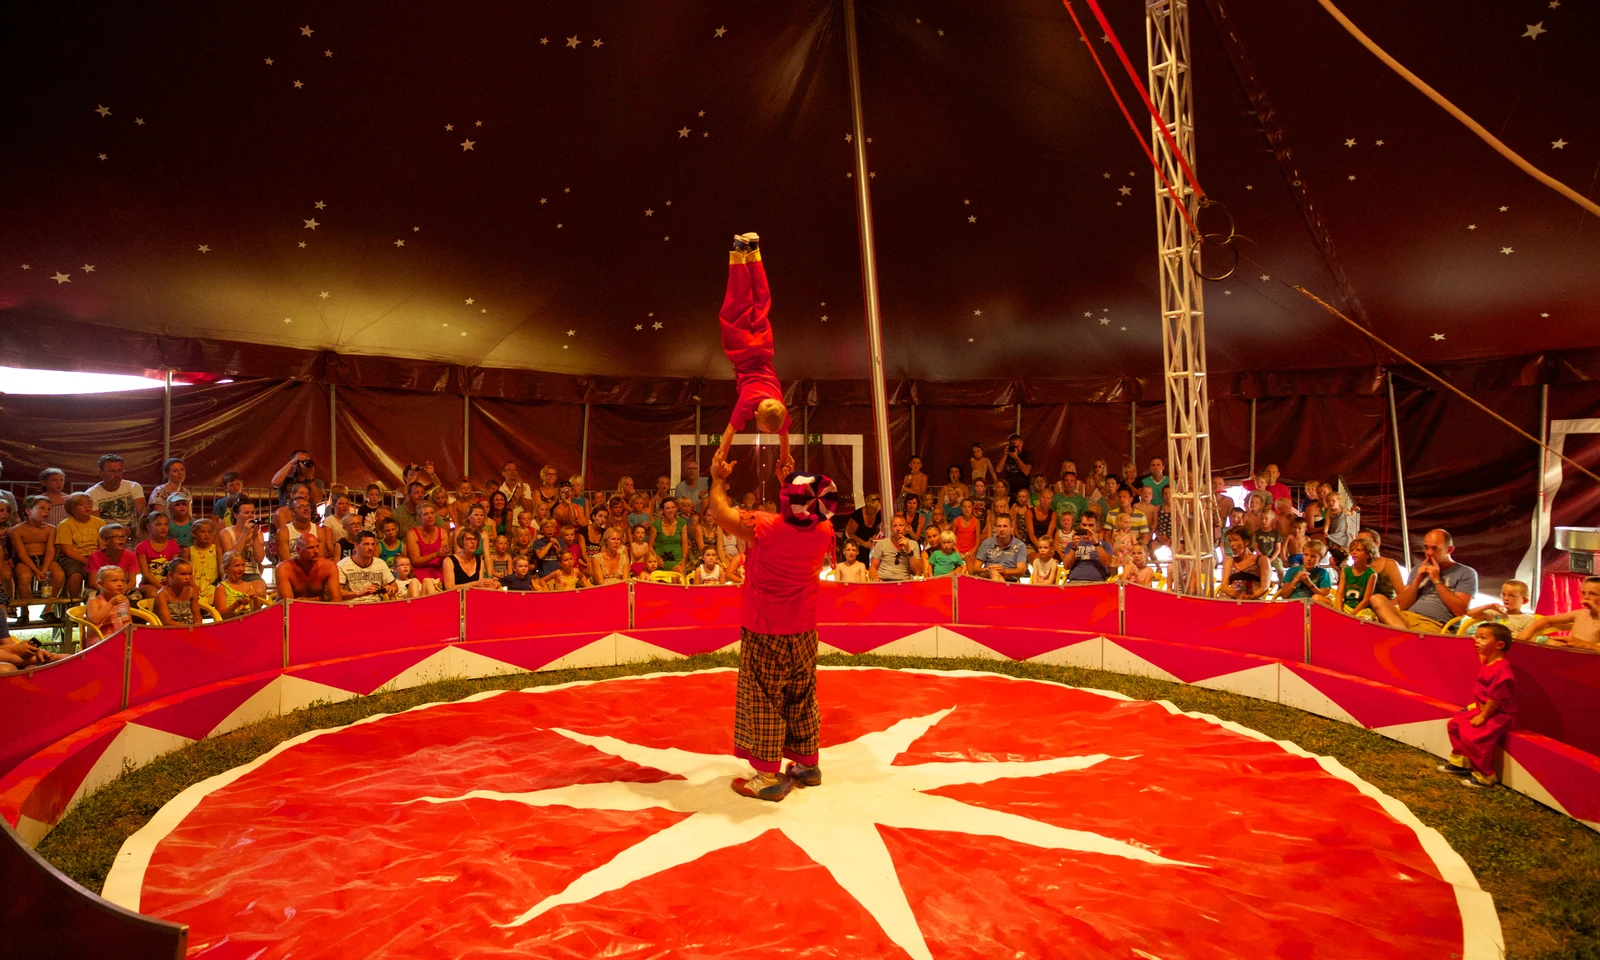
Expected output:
(300, 469)
(243, 539)
(1016, 464)
(1087, 555)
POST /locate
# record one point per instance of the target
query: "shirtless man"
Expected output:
(301, 526)
(1584, 622)
(309, 576)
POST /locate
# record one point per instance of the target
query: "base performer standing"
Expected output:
(747, 340)
(775, 715)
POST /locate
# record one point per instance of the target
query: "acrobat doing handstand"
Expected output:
(747, 340)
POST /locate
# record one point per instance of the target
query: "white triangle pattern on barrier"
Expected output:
(264, 703)
(1118, 659)
(134, 746)
(298, 693)
(1295, 691)
(1430, 735)
(1258, 682)
(596, 653)
(1086, 654)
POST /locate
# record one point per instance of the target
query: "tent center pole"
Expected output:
(869, 270)
(1537, 580)
(166, 416)
(466, 435)
(1399, 473)
(333, 433)
(1252, 437)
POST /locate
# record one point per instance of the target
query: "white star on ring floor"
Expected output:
(835, 824)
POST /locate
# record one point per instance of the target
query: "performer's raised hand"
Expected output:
(785, 466)
(721, 467)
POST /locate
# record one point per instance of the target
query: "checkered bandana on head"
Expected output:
(807, 497)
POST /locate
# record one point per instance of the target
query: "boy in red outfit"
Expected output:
(1480, 728)
(747, 340)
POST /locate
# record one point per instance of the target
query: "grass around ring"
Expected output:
(1542, 868)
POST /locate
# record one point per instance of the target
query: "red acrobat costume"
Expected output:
(747, 336)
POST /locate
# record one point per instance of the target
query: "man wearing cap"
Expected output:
(775, 712)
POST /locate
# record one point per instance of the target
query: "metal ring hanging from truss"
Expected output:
(1226, 241)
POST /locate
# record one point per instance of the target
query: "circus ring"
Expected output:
(142, 694)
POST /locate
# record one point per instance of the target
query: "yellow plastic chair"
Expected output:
(147, 606)
(666, 576)
(77, 615)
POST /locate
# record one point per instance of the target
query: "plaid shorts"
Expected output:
(775, 714)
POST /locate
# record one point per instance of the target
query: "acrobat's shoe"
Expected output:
(763, 786)
(746, 242)
(805, 776)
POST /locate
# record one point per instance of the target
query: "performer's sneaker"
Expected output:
(804, 775)
(746, 242)
(1478, 781)
(763, 786)
(1454, 770)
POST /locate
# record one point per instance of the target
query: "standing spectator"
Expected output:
(77, 539)
(300, 469)
(116, 500)
(1344, 525)
(204, 559)
(519, 495)
(864, 523)
(692, 486)
(1245, 573)
(406, 513)
(1266, 479)
(1157, 481)
(1439, 590)
(1088, 557)
(362, 576)
(980, 467)
(915, 482)
(1016, 464)
(54, 480)
(897, 556)
(1003, 557)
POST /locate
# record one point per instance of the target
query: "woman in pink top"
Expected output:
(427, 546)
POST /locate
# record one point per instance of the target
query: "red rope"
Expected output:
(1183, 208)
(1138, 85)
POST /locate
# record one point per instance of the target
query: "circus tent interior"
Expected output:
(499, 232)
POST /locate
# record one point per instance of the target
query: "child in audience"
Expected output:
(1043, 569)
(1582, 622)
(1146, 505)
(1509, 611)
(54, 480)
(639, 549)
(181, 527)
(915, 482)
(114, 552)
(1354, 591)
(567, 577)
(638, 511)
(1138, 570)
(1123, 539)
(655, 570)
(372, 499)
(176, 600)
(406, 584)
(1480, 728)
(852, 570)
(571, 544)
(1309, 580)
(108, 609)
(77, 538)
(390, 546)
(968, 529)
(33, 551)
(235, 596)
(231, 495)
(1294, 545)
(500, 558)
(547, 549)
(980, 467)
(709, 571)
(204, 558)
(946, 560)
(155, 554)
(522, 540)
(520, 578)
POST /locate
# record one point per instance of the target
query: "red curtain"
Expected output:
(380, 431)
(251, 426)
(71, 432)
(531, 434)
(632, 441)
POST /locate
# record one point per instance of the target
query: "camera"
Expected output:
(307, 462)
(261, 521)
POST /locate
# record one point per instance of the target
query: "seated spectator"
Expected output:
(1353, 593)
(1138, 570)
(519, 494)
(179, 511)
(390, 546)
(851, 569)
(54, 481)
(549, 490)
(308, 575)
(173, 473)
(1043, 569)
(302, 524)
(204, 559)
(407, 512)
(33, 553)
(1440, 589)
(931, 535)
(638, 548)
(1123, 539)
(371, 500)
(1308, 581)
(1068, 503)
(1582, 623)
(656, 572)
(639, 511)
(709, 571)
(234, 596)
(1245, 573)
(13, 512)
(896, 557)
(406, 584)
(117, 500)
(1088, 558)
(499, 557)
(667, 535)
(77, 539)
(155, 554)
(1509, 611)
(1038, 522)
(611, 564)
(1388, 575)
(916, 520)
(953, 481)
(497, 516)
(114, 552)
(465, 569)
(862, 528)
(109, 609)
(363, 577)
(967, 528)
(946, 561)
(568, 576)
(520, 578)
(567, 509)
(1003, 556)
(177, 602)
(428, 544)
(1266, 479)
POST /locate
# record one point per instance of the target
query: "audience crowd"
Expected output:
(178, 555)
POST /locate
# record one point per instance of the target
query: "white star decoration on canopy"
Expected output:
(835, 824)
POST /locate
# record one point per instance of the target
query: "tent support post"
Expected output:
(1133, 433)
(1399, 472)
(1252, 436)
(1183, 322)
(166, 416)
(1019, 420)
(698, 436)
(805, 431)
(1538, 505)
(333, 433)
(869, 269)
(913, 429)
(583, 452)
(466, 435)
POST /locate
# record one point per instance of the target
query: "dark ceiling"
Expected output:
(615, 147)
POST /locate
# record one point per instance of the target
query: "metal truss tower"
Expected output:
(1183, 340)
